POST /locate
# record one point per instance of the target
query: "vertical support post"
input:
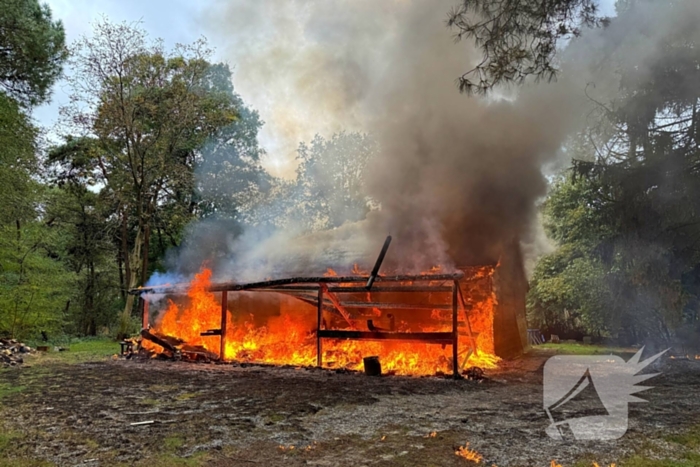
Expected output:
(144, 313)
(319, 316)
(455, 331)
(224, 322)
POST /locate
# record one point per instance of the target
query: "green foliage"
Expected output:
(517, 38)
(35, 287)
(17, 162)
(229, 179)
(150, 112)
(32, 50)
(625, 217)
(89, 253)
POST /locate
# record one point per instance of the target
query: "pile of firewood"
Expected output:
(12, 352)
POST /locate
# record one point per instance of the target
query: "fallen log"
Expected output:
(197, 353)
(167, 342)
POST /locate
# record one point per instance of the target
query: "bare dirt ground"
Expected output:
(221, 415)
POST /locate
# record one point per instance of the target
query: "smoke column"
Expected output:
(457, 176)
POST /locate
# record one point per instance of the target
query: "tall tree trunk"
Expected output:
(120, 263)
(146, 244)
(132, 280)
(125, 254)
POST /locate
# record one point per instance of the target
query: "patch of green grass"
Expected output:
(690, 460)
(276, 418)
(6, 440)
(6, 389)
(172, 443)
(11, 456)
(580, 349)
(149, 401)
(685, 456)
(80, 351)
(198, 459)
(690, 439)
(185, 396)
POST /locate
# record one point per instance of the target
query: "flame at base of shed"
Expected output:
(277, 328)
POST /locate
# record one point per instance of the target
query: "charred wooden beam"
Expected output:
(378, 264)
(455, 331)
(396, 306)
(340, 290)
(319, 315)
(427, 337)
(197, 352)
(224, 325)
(337, 304)
(233, 286)
(167, 342)
(144, 313)
(472, 339)
(211, 332)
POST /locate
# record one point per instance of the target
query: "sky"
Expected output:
(291, 117)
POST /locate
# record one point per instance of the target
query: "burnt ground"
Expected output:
(221, 415)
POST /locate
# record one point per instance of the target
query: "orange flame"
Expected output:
(469, 454)
(281, 330)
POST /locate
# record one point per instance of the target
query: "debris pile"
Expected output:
(474, 373)
(175, 348)
(12, 352)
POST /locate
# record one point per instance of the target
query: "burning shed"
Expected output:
(436, 322)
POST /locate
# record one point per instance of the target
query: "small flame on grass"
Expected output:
(432, 434)
(286, 448)
(469, 454)
(383, 438)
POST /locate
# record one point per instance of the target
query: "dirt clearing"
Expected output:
(205, 414)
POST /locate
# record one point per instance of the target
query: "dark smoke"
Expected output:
(457, 177)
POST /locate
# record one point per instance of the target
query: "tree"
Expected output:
(518, 38)
(35, 287)
(230, 181)
(32, 50)
(630, 204)
(148, 112)
(330, 179)
(18, 163)
(87, 225)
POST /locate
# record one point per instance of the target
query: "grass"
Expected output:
(6, 389)
(689, 460)
(688, 455)
(169, 457)
(581, 349)
(690, 439)
(80, 351)
(198, 459)
(11, 456)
